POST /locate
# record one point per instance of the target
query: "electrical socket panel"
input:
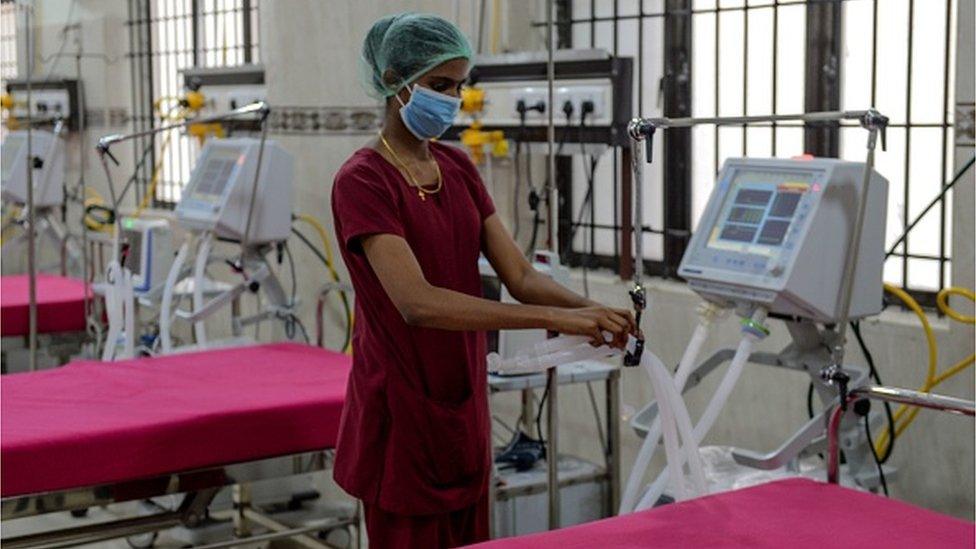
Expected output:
(44, 103)
(501, 101)
(221, 99)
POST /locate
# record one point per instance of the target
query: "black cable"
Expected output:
(342, 295)
(810, 400)
(538, 415)
(955, 179)
(856, 329)
(294, 276)
(881, 475)
(535, 200)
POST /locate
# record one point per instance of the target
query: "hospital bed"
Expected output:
(60, 304)
(93, 433)
(60, 317)
(796, 513)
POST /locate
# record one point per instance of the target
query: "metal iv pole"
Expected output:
(552, 374)
(31, 229)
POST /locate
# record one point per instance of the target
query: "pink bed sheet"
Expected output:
(90, 423)
(794, 513)
(60, 304)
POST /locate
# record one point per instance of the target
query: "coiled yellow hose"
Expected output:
(905, 415)
(330, 265)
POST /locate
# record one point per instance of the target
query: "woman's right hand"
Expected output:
(593, 321)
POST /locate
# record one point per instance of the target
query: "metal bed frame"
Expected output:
(199, 487)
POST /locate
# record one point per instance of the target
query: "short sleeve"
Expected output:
(363, 205)
(486, 207)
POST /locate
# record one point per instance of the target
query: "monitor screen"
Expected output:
(11, 148)
(758, 210)
(133, 259)
(214, 174)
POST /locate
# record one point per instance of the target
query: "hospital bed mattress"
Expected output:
(794, 513)
(60, 304)
(93, 423)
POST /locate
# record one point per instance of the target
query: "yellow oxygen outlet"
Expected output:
(475, 139)
(472, 100)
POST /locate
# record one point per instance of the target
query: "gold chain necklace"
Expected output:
(421, 191)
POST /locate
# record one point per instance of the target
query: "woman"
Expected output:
(412, 217)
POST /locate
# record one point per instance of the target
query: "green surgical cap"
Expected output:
(410, 44)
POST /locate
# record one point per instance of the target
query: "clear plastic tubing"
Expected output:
(199, 276)
(679, 412)
(646, 453)
(165, 315)
(718, 401)
(668, 426)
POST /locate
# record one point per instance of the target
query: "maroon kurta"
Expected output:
(414, 434)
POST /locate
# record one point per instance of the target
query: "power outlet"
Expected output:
(532, 97)
(44, 103)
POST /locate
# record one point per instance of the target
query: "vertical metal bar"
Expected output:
(613, 151)
(195, 21)
(150, 90)
(874, 54)
(613, 439)
(945, 143)
(592, 23)
(677, 141)
(31, 220)
(775, 49)
(552, 446)
(716, 87)
(82, 167)
(640, 62)
(745, 77)
(626, 260)
(552, 375)
(822, 69)
(908, 140)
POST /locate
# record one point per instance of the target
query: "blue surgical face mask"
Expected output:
(428, 114)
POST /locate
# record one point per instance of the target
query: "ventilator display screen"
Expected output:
(215, 173)
(759, 208)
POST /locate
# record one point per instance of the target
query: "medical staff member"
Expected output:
(412, 216)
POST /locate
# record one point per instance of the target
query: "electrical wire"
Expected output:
(294, 275)
(538, 415)
(348, 335)
(878, 462)
(856, 329)
(945, 189)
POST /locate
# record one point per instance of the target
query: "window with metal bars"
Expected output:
(734, 57)
(165, 37)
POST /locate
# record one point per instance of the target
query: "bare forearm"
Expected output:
(538, 289)
(450, 310)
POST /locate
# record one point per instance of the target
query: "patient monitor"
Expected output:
(775, 232)
(218, 196)
(47, 150)
(149, 253)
